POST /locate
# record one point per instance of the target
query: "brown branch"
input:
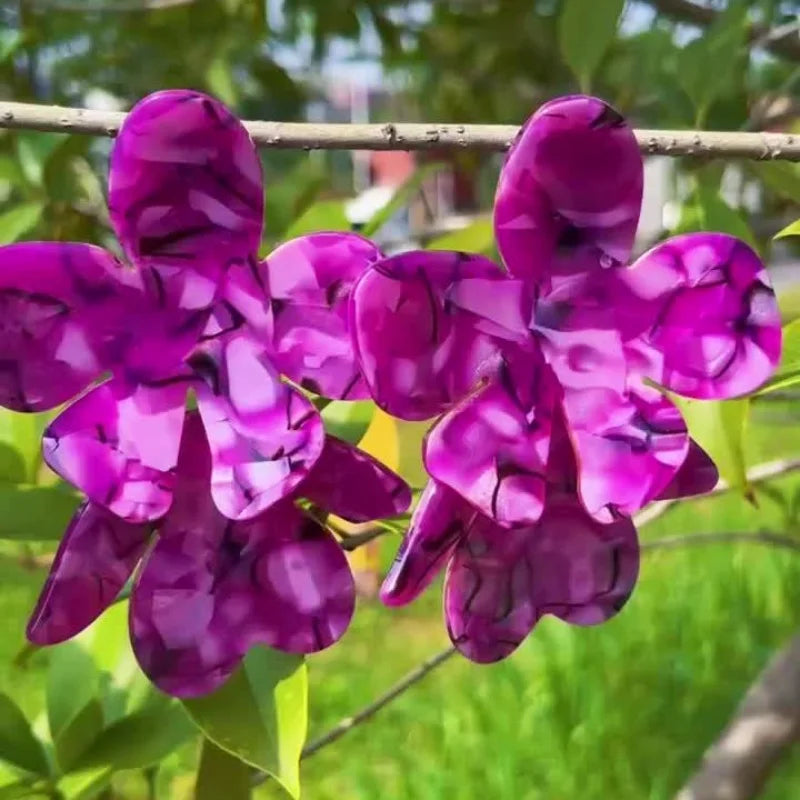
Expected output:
(782, 41)
(411, 135)
(757, 474)
(691, 539)
(763, 727)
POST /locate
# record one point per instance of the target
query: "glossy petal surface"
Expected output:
(438, 524)
(353, 485)
(96, 557)
(569, 193)
(120, 447)
(299, 300)
(185, 187)
(429, 325)
(493, 447)
(501, 582)
(212, 588)
(629, 446)
(264, 435)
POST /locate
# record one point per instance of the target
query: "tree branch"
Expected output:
(782, 41)
(412, 135)
(757, 474)
(765, 724)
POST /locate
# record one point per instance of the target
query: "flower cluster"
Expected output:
(546, 378)
(235, 562)
(546, 381)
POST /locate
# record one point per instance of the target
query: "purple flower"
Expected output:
(197, 312)
(552, 432)
(211, 587)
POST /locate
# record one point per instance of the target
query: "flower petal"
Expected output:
(185, 187)
(570, 191)
(299, 299)
(264, 435)
(120, 447)
(52, 296)
(439, 522)
(501, 582)
(697, 475)
(96, 557)
(353, 485)
(712, 315)
(493, 447)
(629, 446)
(429, 325)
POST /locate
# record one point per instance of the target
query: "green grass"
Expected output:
(621, 711)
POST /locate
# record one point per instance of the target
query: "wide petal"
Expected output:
(264, 435)
(97, 555)
(353, 485)
(212, 588)
(120, 447)
(298, 300)
(52, 299)
(185, 187)
(629, 446)
(500, 583)
(697, 474)
(438, 524)
(569, 193)
(493, 447)
(713, 320)
(429, 325)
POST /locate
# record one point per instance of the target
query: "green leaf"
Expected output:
(10, 41)
(19, 790)
(261, 714)
(326, 215)
(34, 150)
(707, 66)
(477, 237)
(719, 427)
(400, 199)
(18, 745)
(781, 178)
(72, 684)
(35, 513)
(220, 80)
(793, 229)
(81, 732)
(141, 739)
(348, 420)
(716, 215)
(84, 784)
(221, 775)
(18, 221)
(585, 31)
(788, 372)
(20, 446)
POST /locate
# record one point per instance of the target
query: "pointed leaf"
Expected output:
(781, 178)
(222, 775)
(793, 229)
(326, 215)
(348, 420)
(34, 151)
(716, 215)
(84, 784)
(477, 237)
(719, 428)
(788, 372)
(72, 681)
(18, 745)
(35, 513)
(81, 732)
(18, 221)
(20, 446)
(585, 31)
(260, 714)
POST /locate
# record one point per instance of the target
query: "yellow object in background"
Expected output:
(398, 445)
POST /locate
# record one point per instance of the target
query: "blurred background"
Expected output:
(623, 711)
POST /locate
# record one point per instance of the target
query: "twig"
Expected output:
(763, 727)
(411, 135)
(353, 541)
(782, 40)
(691, 539)
(761, 472)
(347, 724)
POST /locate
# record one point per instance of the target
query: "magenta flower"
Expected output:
(552, 432)
(211, 587)
(197, 312)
